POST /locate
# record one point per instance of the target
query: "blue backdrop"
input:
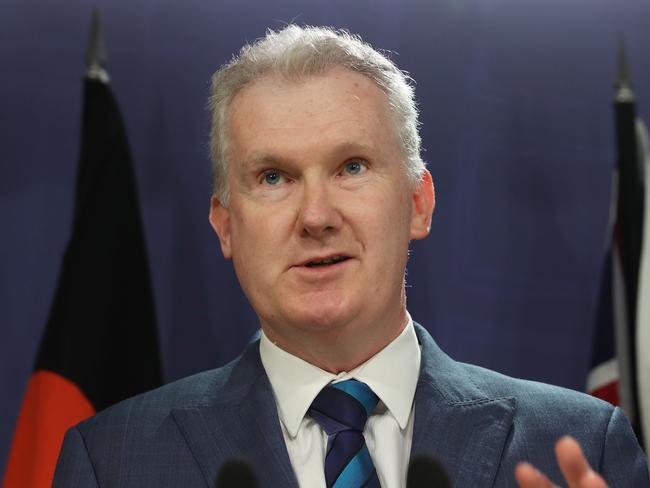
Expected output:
(518, 129)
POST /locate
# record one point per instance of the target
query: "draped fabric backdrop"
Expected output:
(518, 130)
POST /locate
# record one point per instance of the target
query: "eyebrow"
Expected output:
(260, 159)
(353, 148)
(344, 149)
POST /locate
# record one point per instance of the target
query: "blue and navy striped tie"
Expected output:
(342, 409)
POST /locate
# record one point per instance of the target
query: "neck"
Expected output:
(341, 348)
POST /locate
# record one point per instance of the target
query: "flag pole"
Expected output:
(96, 51)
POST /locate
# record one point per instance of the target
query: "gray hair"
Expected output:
(295, 53)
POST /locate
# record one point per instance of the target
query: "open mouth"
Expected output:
(326, 262)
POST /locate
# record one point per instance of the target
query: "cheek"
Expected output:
(257, 236)
(386, 211)
(384, 222)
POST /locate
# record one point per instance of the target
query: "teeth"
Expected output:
(332, 260)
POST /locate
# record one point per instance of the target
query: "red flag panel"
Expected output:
(52, 404)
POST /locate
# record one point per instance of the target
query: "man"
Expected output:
(319, 188)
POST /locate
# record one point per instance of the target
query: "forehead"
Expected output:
(337, 108)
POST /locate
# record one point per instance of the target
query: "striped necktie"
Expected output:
(342, 409)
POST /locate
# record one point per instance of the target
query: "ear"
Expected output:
(424, 201)
(220, 221)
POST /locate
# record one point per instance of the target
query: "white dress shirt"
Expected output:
(392, 374)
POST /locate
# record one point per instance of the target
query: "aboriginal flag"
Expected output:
(100, 343)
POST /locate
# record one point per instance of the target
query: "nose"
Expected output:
(318, 214)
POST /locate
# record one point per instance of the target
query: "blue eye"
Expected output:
(273, 177)
(355, 167)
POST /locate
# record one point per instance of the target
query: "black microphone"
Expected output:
(236, 473)
(425, 472)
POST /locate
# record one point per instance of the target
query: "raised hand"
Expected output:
(575, 468)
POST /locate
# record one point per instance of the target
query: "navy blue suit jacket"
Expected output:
(478, 423)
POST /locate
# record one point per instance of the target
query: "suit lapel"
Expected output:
(239, 420)
(457, 423)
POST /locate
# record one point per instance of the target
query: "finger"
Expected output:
(574, 465)
(571, 460)
(593, 480)
(529, 477)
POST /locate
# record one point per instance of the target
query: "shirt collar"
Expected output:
(296, 382)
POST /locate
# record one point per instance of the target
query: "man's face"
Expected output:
(321, 211)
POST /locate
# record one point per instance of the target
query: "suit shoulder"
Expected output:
(533, 396)
(155, 405)
(143, 431)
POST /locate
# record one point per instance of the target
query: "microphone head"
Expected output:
(236, 473)
(425, 471)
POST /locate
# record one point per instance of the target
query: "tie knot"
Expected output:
(343, 406)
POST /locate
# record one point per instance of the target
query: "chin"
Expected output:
(322, 316)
